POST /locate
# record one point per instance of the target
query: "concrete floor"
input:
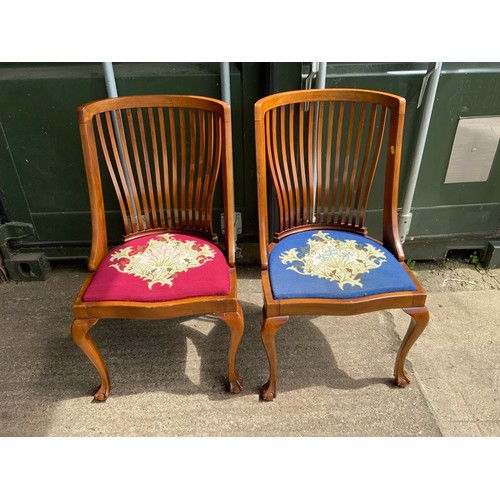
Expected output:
(168, 377)
(168, 381)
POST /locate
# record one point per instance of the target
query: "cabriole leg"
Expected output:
(419, 320)
(236, 324)
(269, 328)
(80, 332)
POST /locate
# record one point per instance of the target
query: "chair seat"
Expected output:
(332, 264)
(159, 268)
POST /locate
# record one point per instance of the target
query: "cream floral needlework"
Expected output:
(342, 261)
(162, 259)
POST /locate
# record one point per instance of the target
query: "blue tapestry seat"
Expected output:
(332, 264)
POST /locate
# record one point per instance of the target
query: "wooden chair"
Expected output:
(321, 148)
(163, 155)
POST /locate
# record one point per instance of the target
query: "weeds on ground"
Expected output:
(411, 264)
(475, 261)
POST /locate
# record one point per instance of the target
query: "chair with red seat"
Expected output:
(163, 155)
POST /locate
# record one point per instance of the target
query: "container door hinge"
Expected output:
(19, 266)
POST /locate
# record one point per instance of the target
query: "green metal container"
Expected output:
(43, 190)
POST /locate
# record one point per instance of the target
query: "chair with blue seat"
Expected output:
(317, 158)
(164, 156)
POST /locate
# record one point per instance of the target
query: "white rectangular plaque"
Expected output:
(474, 148)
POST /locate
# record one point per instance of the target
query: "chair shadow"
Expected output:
(146, 356)
(184, 356)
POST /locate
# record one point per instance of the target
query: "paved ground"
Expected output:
(335, 373)
(335, 381)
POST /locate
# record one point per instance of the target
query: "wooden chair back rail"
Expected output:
(180, 183)
(390, 101)
(87, 111)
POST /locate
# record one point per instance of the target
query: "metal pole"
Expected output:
(321, 77)
(225, 82)
(319, 83)
(405, 216)
(109, 78)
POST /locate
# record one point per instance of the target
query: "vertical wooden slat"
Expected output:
(182, 135)
(173, 137)
(328, 162)
(319, 165)
(293, 164)
(211, 133)
(158, 191)
(202, 161)
(138, 169)
(347, 159)
(340, 121)
(107, 158)
(136, 222)
(368, 149)
(193, 146)
(303, 179)
(156, 158)
(278, 167)
(270, 124)
(218, 140)
(164, 155)
(310, 163)
(147, 168)
(355, 161)
(287, 187)
(373, 166)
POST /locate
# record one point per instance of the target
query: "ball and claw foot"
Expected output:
(402, 379)
(268, 391)
(101, 395)
(236, 386)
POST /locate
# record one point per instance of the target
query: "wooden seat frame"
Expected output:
(160, 215)
(276, 155)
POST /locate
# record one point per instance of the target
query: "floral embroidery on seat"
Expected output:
(162, 259)
(334, 260)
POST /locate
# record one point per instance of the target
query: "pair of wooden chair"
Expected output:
(164, 156)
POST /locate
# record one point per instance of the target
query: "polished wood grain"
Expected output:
(164, 155)
(319, 151)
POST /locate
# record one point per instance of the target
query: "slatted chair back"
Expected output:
(163, 155)
(322, 149)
